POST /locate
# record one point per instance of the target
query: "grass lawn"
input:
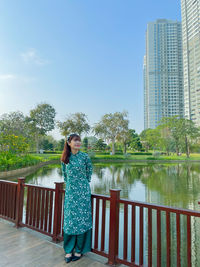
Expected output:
(32, 159)
(131, 157)
(46, 156)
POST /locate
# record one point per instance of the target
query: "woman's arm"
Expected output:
(89, 167)
(63, 167)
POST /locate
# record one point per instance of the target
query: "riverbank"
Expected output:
(27, 170)
(46, 159)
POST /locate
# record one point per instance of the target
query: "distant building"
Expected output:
(190, 10)
(163, 72)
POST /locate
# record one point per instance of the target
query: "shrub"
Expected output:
(157, 154)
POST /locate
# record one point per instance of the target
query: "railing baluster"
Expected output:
(92, 200)
(168, 238)
(1, 194)
(158, 239)
(178, 239)
(149, 237)
(38, 207)
(31, 206)
(57, 211)
(103, 224)
(9, 202)
(46, 210)
(50, 212)
(96, 225)
(141, 237)
(4, 199)
(125, 230)
(189, 241)
(35, 207)
(20, 201)
(63, 214)
(133, 235)
(27, 205)
(42, 210)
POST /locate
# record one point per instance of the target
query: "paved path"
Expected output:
(24, 247)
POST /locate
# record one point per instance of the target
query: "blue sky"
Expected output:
(79, 56)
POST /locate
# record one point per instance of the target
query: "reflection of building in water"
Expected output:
(190, 10)
(156, 198)
(163, 72)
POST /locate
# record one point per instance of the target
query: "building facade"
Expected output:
(190, 10)
(163, 72)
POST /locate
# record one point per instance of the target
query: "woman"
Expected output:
(77, 170)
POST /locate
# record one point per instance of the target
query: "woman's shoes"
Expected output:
(75, 258)
(68, 259)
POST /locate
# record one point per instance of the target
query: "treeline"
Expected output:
(20, 133)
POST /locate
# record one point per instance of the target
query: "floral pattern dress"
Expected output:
(77, 203)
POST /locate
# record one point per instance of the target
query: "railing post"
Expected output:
(114, 226)
(57, 210)
(19, 201)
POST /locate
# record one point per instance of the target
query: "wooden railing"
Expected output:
(142, 230)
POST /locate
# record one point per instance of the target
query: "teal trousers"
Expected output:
(80, 243)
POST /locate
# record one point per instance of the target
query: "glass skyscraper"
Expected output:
(163, 72)
(190, 10)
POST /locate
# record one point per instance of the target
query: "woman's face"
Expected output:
(75, 143)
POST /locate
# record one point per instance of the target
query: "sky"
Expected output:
(77, 55)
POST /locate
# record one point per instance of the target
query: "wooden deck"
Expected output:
(24, 247)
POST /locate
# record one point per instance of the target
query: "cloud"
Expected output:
(31, 56)
(7, 77)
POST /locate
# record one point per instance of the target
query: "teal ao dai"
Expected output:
(77, 204)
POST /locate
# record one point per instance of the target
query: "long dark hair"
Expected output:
(67, 148)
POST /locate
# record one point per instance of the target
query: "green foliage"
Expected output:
(13, 144)
(134, 141)
(74, 123)
(52, 152)
(85, 143)
(157, 154)
(10, 161)
(113, 127)
(100, 145)
(43, 118)
(150, 138)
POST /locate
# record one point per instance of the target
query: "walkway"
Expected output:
(23, 247)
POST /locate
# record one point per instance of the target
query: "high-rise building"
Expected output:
(163, 72)
(190, 10)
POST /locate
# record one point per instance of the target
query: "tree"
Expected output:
(150, 138)
(61, 144)
(41, 121)
(189, 132)
(111, 126)
(92, 140)
(100, 145)
(134, 141)
(74, 123)
(13, 123)
(124, 134)
(13, 143)
(182, 131)
(48, 143)
(172, 124)
(85, 143)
